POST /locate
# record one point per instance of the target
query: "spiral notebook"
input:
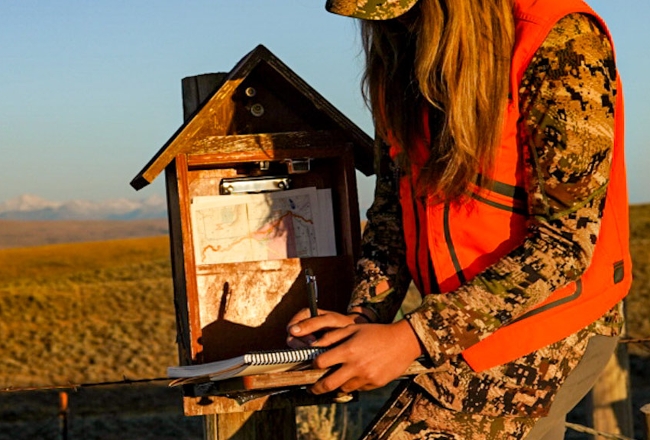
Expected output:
(259, 362)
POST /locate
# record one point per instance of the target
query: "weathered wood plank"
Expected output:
(179, 276)
(610, 398)
(266, 141)
(187, 245)
(218, 116)
(224, 406)
(267, 147)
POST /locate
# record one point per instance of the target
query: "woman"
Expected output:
(501, 193)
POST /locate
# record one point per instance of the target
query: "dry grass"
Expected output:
(319, 423)
(86, 312)
(44, 264)
(638, 301)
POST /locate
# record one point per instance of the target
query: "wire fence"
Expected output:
(128, 410)
(127, 381)
(598, 434)
(57, 427)
(77, 386)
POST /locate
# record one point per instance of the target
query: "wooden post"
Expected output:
(645, 409)
(64, 410)
(278, 423)
(281, 423)
(610, 398)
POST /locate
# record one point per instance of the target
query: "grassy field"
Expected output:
(638, 301)
(90, 312)
(86, 313)
(101, 311)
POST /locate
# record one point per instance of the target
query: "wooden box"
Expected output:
(254, 129)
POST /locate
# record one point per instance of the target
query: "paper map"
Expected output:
(276, 225)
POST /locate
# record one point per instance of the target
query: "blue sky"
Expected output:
(90, 90)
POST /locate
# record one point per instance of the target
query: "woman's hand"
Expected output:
(368, 356)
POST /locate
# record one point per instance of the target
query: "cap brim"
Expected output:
(370, 9)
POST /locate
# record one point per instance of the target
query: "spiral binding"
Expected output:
(289, 356)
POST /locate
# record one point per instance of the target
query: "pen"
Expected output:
(312, 292)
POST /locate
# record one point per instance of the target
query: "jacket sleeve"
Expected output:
(567, 131)
(382, 277)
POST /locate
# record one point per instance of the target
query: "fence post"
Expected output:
(64, 410)
(279, 423)
(610, 398)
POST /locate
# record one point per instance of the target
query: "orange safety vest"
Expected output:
(447, 245)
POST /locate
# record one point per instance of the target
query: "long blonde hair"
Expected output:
(454, 56)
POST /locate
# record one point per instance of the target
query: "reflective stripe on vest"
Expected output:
(465, 239)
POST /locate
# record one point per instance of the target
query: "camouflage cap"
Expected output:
(370, 9)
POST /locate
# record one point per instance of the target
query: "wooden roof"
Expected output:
(298, 107)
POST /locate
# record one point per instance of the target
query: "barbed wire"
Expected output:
(587, 430)
(76, 386)
(633, 340)
(642, 343)
(127, 381)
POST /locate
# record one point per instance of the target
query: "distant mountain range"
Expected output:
(31, 207)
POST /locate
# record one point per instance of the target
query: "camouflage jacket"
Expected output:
(566, 95)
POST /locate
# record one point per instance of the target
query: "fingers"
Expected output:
(343, 379)
(364, 356)
(304, 331)
(332, 381)
(304, 341)
(324, 321)
(346, 377)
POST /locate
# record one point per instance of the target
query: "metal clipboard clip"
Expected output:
(248, 185)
